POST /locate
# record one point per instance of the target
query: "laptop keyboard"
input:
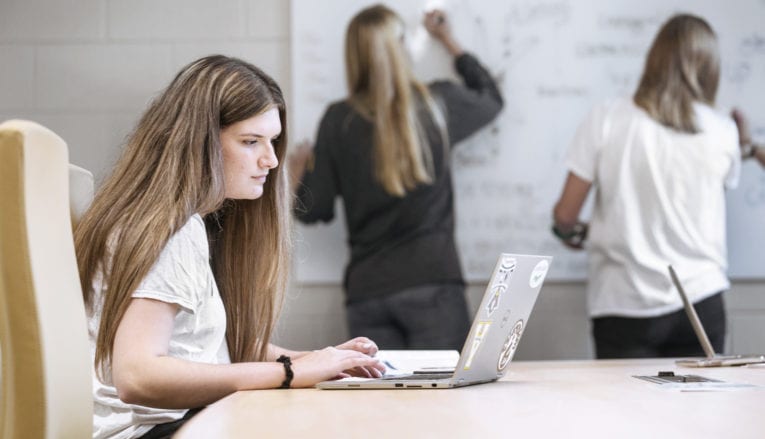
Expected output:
(419, 376)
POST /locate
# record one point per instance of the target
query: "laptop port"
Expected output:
(399, 384)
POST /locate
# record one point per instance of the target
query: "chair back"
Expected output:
(80, 192)
(46, 362)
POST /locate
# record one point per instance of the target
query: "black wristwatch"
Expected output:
(749, 150)
(575, 236)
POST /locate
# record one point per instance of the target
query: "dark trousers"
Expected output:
(167, 430)
(425, 317)
(670, 335)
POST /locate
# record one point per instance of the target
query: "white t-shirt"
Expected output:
(182, 276)
(659, 199)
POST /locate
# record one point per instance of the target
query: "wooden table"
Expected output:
(594, 399)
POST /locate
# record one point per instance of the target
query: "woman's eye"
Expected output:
(250, 142)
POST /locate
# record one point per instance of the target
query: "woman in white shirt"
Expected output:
(184, 253)
(659, 164)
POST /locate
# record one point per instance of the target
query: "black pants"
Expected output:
(670, 335)
(167, 430)
(431, 316)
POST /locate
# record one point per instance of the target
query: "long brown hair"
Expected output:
(382, 87)
(171, 169)
(683, 66)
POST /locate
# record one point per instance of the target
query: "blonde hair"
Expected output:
(382, 87)
(683, 66)
(171, 169)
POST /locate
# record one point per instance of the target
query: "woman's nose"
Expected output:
(269, 160)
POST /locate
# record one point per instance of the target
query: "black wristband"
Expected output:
(287, 362)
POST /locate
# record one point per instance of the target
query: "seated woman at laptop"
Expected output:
(183, 257)
(659, 164)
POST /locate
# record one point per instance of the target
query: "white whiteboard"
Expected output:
(554, 61)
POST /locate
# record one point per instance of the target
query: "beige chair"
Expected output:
(81, 186)
(46, 368)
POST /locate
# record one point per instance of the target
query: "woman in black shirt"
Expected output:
(385, 150)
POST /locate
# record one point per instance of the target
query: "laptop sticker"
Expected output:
(494, 302)
(538, 273)
(506, 269)
(481, 330)
(508, 349)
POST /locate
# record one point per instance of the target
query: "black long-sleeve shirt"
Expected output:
(396, 242)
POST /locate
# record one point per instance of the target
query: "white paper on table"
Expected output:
(709, 387)
(405, 362)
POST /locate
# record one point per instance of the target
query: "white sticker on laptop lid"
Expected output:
(538, 273)
(511, 343)
(494, 301)
(480, 334)
(506, 268)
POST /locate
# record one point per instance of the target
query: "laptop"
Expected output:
(712, 359)
(493, 338)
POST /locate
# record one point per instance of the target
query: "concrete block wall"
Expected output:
(87, 69)
(558, 328)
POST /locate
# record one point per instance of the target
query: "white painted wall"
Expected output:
(87, 68)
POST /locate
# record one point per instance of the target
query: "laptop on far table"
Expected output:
(712, 359)
(497, 328)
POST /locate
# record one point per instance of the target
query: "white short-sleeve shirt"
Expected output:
(182, 276)
(659, 199)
